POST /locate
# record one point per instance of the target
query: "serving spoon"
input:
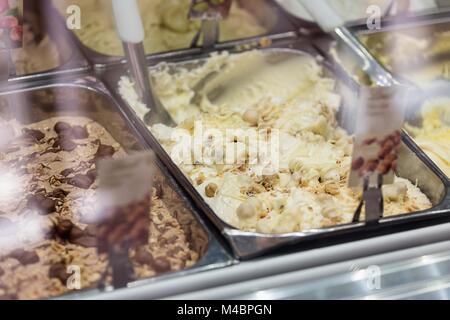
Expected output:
(131, 31)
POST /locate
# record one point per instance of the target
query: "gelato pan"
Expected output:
(48, 193)
(418, 54)
(265, 151)
(418, 51)
(165, 22)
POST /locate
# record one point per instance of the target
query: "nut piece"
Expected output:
(211, 190)
(332, 175)
(248, 208)
(395, 191)
(251, 116)
(332, 188)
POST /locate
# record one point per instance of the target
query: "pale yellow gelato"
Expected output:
(165, 21)
(420, 54)
(298, 181)
(434, 134)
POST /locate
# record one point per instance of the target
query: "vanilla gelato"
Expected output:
(417, 54)
(165, 22)
(265, 152)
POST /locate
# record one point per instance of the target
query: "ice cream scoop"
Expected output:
(131, 32)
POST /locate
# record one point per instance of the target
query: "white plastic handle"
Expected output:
(327, 18)
(128, 21)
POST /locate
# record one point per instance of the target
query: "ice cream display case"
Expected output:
(255, 168)
(257, 215)
(52, 137)
(168, 30)
(46, 49)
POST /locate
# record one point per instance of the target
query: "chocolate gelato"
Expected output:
(48, 244)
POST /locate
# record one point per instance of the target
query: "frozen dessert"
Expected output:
(166, 25)
(38, 53)
(47, 192)
(419, 54)
(284, 113)
(433, 136)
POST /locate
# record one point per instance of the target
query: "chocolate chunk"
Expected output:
(82, 181)
(34, 134)
(65, 144)
(2, 272)
(42, 204)
(82, 238)
(25, 257)
(61, 127)
(161, 264)
(79, 132)
(76, 232)
(85, 241)
(63, 229)
(143, 256)
(92, 173)
(104, 151)
(59, 271)
(66, 172)
(159, 191)
(58, 193)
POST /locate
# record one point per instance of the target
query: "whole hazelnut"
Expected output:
(248, 209)
(251, 116)
(211, 190)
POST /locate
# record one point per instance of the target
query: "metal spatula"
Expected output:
(209, 12)
(131, 32)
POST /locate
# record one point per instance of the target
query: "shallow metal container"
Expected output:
(268, 12)
(413, 164)
(86, 96)
(422, 30)
(70, 58)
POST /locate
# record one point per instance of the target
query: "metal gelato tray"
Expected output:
(52, 38)
(86, 96)
(268, 13)
(413, 165)
(414, 48)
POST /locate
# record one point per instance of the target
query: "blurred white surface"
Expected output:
(353, 10)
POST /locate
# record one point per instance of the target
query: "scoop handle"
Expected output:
(128, 21)
(327, 18)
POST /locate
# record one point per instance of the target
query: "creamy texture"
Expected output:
(295, 103)
(165, 23)
(434, 134)
(36, 55)
(415, 54)
(419, 55)
(47, 197)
